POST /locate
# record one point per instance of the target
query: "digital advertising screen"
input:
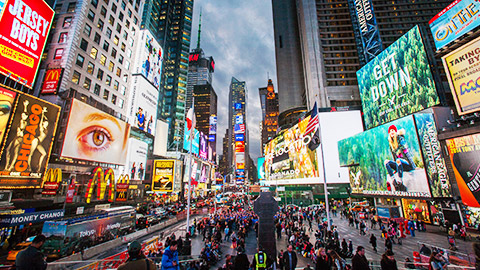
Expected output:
(461, 67)
(203, 151)
(163, 175)
(136, 159)
(95, 135)
(149, 57)
(288, 156)
(142, 105)
(464, 153)
(261, 168)
(212, 130)
(196, 141)
(29, 137)
(432, 155)
(239, 119)
(459, 18)
(398, 82)
(387, 159)
(25, 28)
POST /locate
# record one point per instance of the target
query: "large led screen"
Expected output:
(25, 27)
(196, 141)
(432, 155)
(461, 67)
(261, 168)
(388, 160)
(203, 150)
(95, 135)
(397, 82)
(136, 159)
(288, 156)
(148, 59)
(142, 105)
(163, 175)
(464, 154)
(29, 136)
(459, 18)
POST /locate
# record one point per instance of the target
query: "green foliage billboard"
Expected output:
(386, 160)
(398, 82)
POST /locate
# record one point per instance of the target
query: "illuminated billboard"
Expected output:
(397, 82)
(7, 99)
(136, 159)
(239, 119)
(142, 105)
(51, 81)
(29, 137)
(239, 128)
(239, 137)
(240, 147)
(25, 28)
(163, 175)
(261, 168)
(148, 58)
(387, 159)
(196, 141)
(461, 67)
(212, 130)
(203, 151)
(464, 155)
(459, 18)
(95, 135)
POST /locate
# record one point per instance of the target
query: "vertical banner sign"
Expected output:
(122, 189)
(24, 31)
(70, 193)
(51, 81)
(464, 154)
(366, 25)
(432, 155)
(163, 174)
(7, 99)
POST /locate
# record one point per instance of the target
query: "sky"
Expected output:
(239, 37)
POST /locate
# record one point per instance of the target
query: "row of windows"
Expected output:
(87, 83)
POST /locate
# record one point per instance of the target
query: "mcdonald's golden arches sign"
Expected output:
(52, 80)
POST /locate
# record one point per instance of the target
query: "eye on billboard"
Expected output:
(392, 165)
(51, 82)
(149, 57)
(163, 174)
(29, 137)
(432, 155)
(24, 31)
(136, 159)
(195, 142)
(461, 67)
(464, 154)
(397, 82)
(459, 18)
(142, 105)
(95, 135)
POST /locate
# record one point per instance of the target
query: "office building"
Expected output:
(269, 104)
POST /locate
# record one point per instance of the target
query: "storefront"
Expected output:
(388, 208)
(416, 210)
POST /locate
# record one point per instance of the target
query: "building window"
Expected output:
(127, 65)
(114, 53)
(123, 89)
(123, 47)
(93, 53)
(63, 37)
(94, 3)
(125, 35)
(130, 42)
(54, 23)
(129, 13)
(125, 78)
(91, 15)
(129, 53)
(119, 28)
(127, 23)
(80, 60)
(114, 99)
(100, 74)
(76, 77)
(120, 103)
(109, 32)
(83, 44)
(111, 66)
(107, 1)
(103, 59)
(111, 20)
(58, 54)
(114, 8)
(119, 72)
(106, 45)
(106, 93)
(67, 22)
(90, 68)
(109, 80)
(87, 83)
(115, 40)
(71, 7)
(96, 90)
(120, 16)
(103, 11)
(97, 38)
(124, 5)
(100, 24)
(87, 30)
(120, 59)
(135, 20)
(115, 85)
(58, 8)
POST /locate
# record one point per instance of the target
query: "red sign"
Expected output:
(25, 27)
(122, 189)
(51, 81)
(70, 193)
(239, 147)
(50, 188)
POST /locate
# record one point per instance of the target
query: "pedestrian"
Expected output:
(359, 261)
(280, 259)
(350, 247)
(388, 261)
(409, 264)
(137, 260)
(241, 260)
(437, 262)
(373, 241)
(32, 258)
(324, 261)
(170, 257)
(259, 261)
(388, 243)
(289, 258)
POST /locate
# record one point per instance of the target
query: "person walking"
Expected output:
(32, 258)
(388, 243)
(241, 260)
(388, 261)
(170, 257)
(373, 241)
(259, 261)
(289, 259)
(324, 261)
(136, 259)
(359, 261)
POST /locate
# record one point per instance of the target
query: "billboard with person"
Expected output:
(142, 105)
(148, 58)
(136, 159)
(163, 175)
(388, 160)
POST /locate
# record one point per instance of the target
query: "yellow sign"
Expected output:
(163, 174)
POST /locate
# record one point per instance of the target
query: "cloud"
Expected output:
(239, 36)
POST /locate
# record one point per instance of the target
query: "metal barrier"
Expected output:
(455, 257)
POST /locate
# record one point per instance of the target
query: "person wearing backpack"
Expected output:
(136, 259)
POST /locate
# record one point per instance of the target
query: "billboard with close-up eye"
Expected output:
(398, 82)
(28, 141)
(388, 160)
(142, 105)
(25, 27)
(95, 135)
(148, 58)
(163, 175)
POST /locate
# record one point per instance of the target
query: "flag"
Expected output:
(315, 141)
(313, 123)
(191, 121)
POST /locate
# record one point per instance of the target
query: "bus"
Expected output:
(73, 235)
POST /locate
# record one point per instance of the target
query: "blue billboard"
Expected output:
(261, 168)
(459, 18)
(238, 106)
(239, 137)
(196, 141)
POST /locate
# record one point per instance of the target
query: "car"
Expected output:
(12, 254)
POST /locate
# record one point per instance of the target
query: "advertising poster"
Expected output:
(163, 175)
(288, 156)
(261, 168)
(203, 146)
(240, 147)
(239, 128)
(239, 119)
(213, 125)
(27, 145)
(195, 144)
(149, 57)
(459, 18)
(95, 135)
(136, 159)
(51, 81)
(389, 160)
(142, 105)
(464, 154)
(239, 137)
(7, 99)
(397, 82)
(23, 38)
(432, 155)
(461, 67)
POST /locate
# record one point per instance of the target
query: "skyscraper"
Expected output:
(269, 103)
